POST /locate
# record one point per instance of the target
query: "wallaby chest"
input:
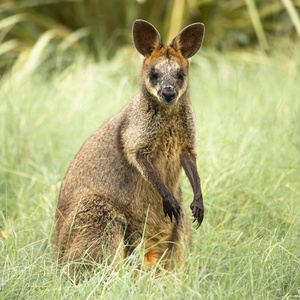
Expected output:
(168, 143)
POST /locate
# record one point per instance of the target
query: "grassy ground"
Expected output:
(247, 108)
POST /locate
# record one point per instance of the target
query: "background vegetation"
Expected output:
(34, 31)
(58, 86)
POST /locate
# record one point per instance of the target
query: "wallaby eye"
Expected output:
(153, 76)
(180, 75)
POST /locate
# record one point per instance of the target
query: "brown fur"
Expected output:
(123, 184)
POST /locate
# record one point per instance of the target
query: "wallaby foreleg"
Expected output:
(189, 165)
(170, 204)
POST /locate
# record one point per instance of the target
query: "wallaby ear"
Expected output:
(189, 40)
(145, 37)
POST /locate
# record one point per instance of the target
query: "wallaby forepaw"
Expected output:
(171, 208)
(198, 212)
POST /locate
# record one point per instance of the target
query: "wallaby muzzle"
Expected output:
(168, 96)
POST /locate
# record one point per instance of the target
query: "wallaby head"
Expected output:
(164, 75)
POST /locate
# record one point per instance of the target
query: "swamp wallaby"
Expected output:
(123, 184)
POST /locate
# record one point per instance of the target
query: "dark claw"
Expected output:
(198, 212)
(176, 217)
(171, 208)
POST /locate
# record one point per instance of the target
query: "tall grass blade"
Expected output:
(176, 19)
(254, 15)
(7, 23)
(293, 14)
(73, 38)
(8, 46)
(36, 54)
(12, 20)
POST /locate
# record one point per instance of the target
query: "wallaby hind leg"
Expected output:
(95, 233)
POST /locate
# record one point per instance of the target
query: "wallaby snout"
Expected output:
(168, 94)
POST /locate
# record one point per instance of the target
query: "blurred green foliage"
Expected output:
(32, 31)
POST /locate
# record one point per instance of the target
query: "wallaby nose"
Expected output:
(168, 94)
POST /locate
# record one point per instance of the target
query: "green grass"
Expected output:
(247, 108)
